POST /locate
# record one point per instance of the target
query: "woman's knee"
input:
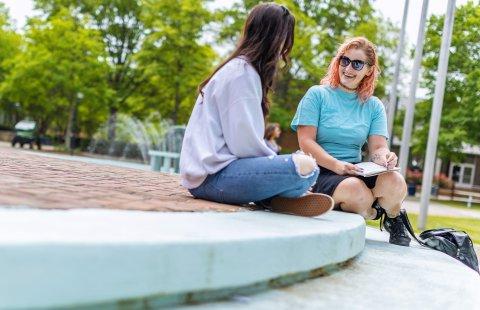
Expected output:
(301, 186)
(393, 185)
(304, 164)
(354, 193)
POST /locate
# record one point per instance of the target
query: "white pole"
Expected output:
(436, 114)
(392, 101)
(409, 114)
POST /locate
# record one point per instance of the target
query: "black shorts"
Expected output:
(328, 181)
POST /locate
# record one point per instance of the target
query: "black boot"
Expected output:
(398, 231)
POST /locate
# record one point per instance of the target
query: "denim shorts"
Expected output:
(255, 179)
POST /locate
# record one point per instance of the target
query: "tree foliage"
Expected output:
(61, 71)
(173, 60)
(10, 44)
(321, 26)
(118, 22)
(460, 121)
(144, 56)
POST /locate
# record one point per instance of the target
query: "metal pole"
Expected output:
(436, 114)
(392, 101)
(409, 114)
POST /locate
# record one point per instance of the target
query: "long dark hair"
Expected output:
(267, 36)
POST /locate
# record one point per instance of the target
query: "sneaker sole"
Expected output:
(309, 205)
(405, 242)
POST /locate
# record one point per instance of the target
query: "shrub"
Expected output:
(415, 176)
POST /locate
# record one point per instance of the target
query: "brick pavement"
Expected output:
(31, 180)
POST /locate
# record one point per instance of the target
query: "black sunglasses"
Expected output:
(356, 63)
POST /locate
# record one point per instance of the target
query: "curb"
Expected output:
(117, 258)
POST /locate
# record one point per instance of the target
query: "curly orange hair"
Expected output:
(367, 85)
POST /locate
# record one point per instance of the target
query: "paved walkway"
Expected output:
(29, 180)
(50, 182)
(435, 208)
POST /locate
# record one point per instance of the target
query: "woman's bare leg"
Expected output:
(354, 196)
(390, 189)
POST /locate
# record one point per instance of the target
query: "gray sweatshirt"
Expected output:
(226, 123)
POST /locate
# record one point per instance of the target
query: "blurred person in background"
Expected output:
(272, 133)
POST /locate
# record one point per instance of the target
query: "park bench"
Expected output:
(164, 161)
(464, 195)
(167, 157)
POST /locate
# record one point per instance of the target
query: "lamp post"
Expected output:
(392, 101)
(409, 114)
(436, 114)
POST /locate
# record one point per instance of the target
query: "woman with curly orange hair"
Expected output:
(333, 122)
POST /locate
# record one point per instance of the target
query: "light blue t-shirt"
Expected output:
(343, 121)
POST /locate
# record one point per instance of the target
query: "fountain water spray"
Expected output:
(134, 137)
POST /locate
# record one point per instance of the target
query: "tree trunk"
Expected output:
(177, 104)
(112, 126)
(72, 115)
(178, 98)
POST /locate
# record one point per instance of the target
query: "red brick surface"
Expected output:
(28, 179)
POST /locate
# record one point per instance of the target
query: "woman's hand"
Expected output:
(344, 168)
(386, 158)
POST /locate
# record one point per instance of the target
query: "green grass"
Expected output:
(469, 225)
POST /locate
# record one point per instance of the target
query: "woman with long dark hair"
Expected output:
(224, 157)
(272, 133)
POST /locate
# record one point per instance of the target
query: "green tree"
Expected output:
(460, 122)
(173, 60)
(118, 22)
(60, 77)
(321, 26)
(10, 44)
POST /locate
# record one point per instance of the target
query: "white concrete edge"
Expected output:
(86, 257)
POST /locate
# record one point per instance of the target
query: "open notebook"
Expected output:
(371, 169)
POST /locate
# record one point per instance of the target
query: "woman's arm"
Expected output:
(242, 126)
(380, 153)
(239, 100)
(308, 144)
(377, 141)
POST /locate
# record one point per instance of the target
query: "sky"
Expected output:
(393, 10)
(19, 10)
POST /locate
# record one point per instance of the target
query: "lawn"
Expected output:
(469, 225)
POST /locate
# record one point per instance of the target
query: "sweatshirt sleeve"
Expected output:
(241, 114)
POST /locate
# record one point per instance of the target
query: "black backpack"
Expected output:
(453, 242)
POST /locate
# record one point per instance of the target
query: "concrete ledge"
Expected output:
(87, 257)
(383, 276)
